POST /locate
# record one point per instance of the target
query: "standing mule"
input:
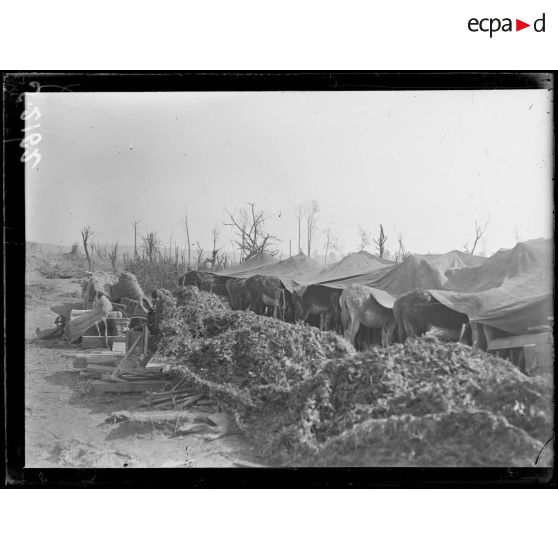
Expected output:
(360, 307)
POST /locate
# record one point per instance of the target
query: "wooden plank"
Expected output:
(519, 341)
(133, 369)
(134, 342)
(119, 346)
(151, 416)
(93, 342)
(101, 368)
(107, 359)
(101, 386)
(100, 341)
(87, 375)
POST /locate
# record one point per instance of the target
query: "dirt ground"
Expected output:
(65, 426)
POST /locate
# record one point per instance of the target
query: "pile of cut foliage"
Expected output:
(244, 360)
(306, 399)
(424, 403)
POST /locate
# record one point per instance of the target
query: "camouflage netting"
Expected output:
(305, 398)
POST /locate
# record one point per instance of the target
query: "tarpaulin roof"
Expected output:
(417, 271)
(512, 290)
(292, 271)
(249, 267)
(350, 266)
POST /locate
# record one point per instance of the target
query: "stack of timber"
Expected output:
(126, 380)
(118, 372)
(177, 398)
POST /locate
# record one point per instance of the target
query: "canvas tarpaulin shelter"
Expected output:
(292, 271)
(418, 271)
(249, 267)
(352, 265)
(512, 290)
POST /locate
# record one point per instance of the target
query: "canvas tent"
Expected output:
(351, 266)
(249, 267)
(418, 271)
(511, 291)
(292, 271)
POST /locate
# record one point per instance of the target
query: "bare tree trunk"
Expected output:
(381, 242)
(311, 212)
(300, 211)
(187, 236)
(135, 225)
(86, 234)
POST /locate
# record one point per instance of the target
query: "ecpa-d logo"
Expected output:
(494, 24)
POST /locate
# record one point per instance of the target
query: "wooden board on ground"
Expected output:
(101, 386)
(108, 359)
(107, 368)
(100, 342)
(152, 416)
(89, 375)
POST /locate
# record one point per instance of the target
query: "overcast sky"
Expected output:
(425, 164)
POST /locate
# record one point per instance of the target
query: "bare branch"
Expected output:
(330, 243)
(249, 231)
(151, 245)
(479, 233)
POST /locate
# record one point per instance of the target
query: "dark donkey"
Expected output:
(261, 292)
(418, 311)
(320, 301)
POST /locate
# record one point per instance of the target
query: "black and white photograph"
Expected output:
(288, 277)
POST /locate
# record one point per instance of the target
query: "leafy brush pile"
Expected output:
(245, 361)
(422, 403)
(256, 363)
(467, 438)
(305, 397)
(164, 305)
(189, 318)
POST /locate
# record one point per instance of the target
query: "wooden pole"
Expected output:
(117, 369)
(145, 339)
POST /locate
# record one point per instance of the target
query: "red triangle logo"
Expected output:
(519, 25)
